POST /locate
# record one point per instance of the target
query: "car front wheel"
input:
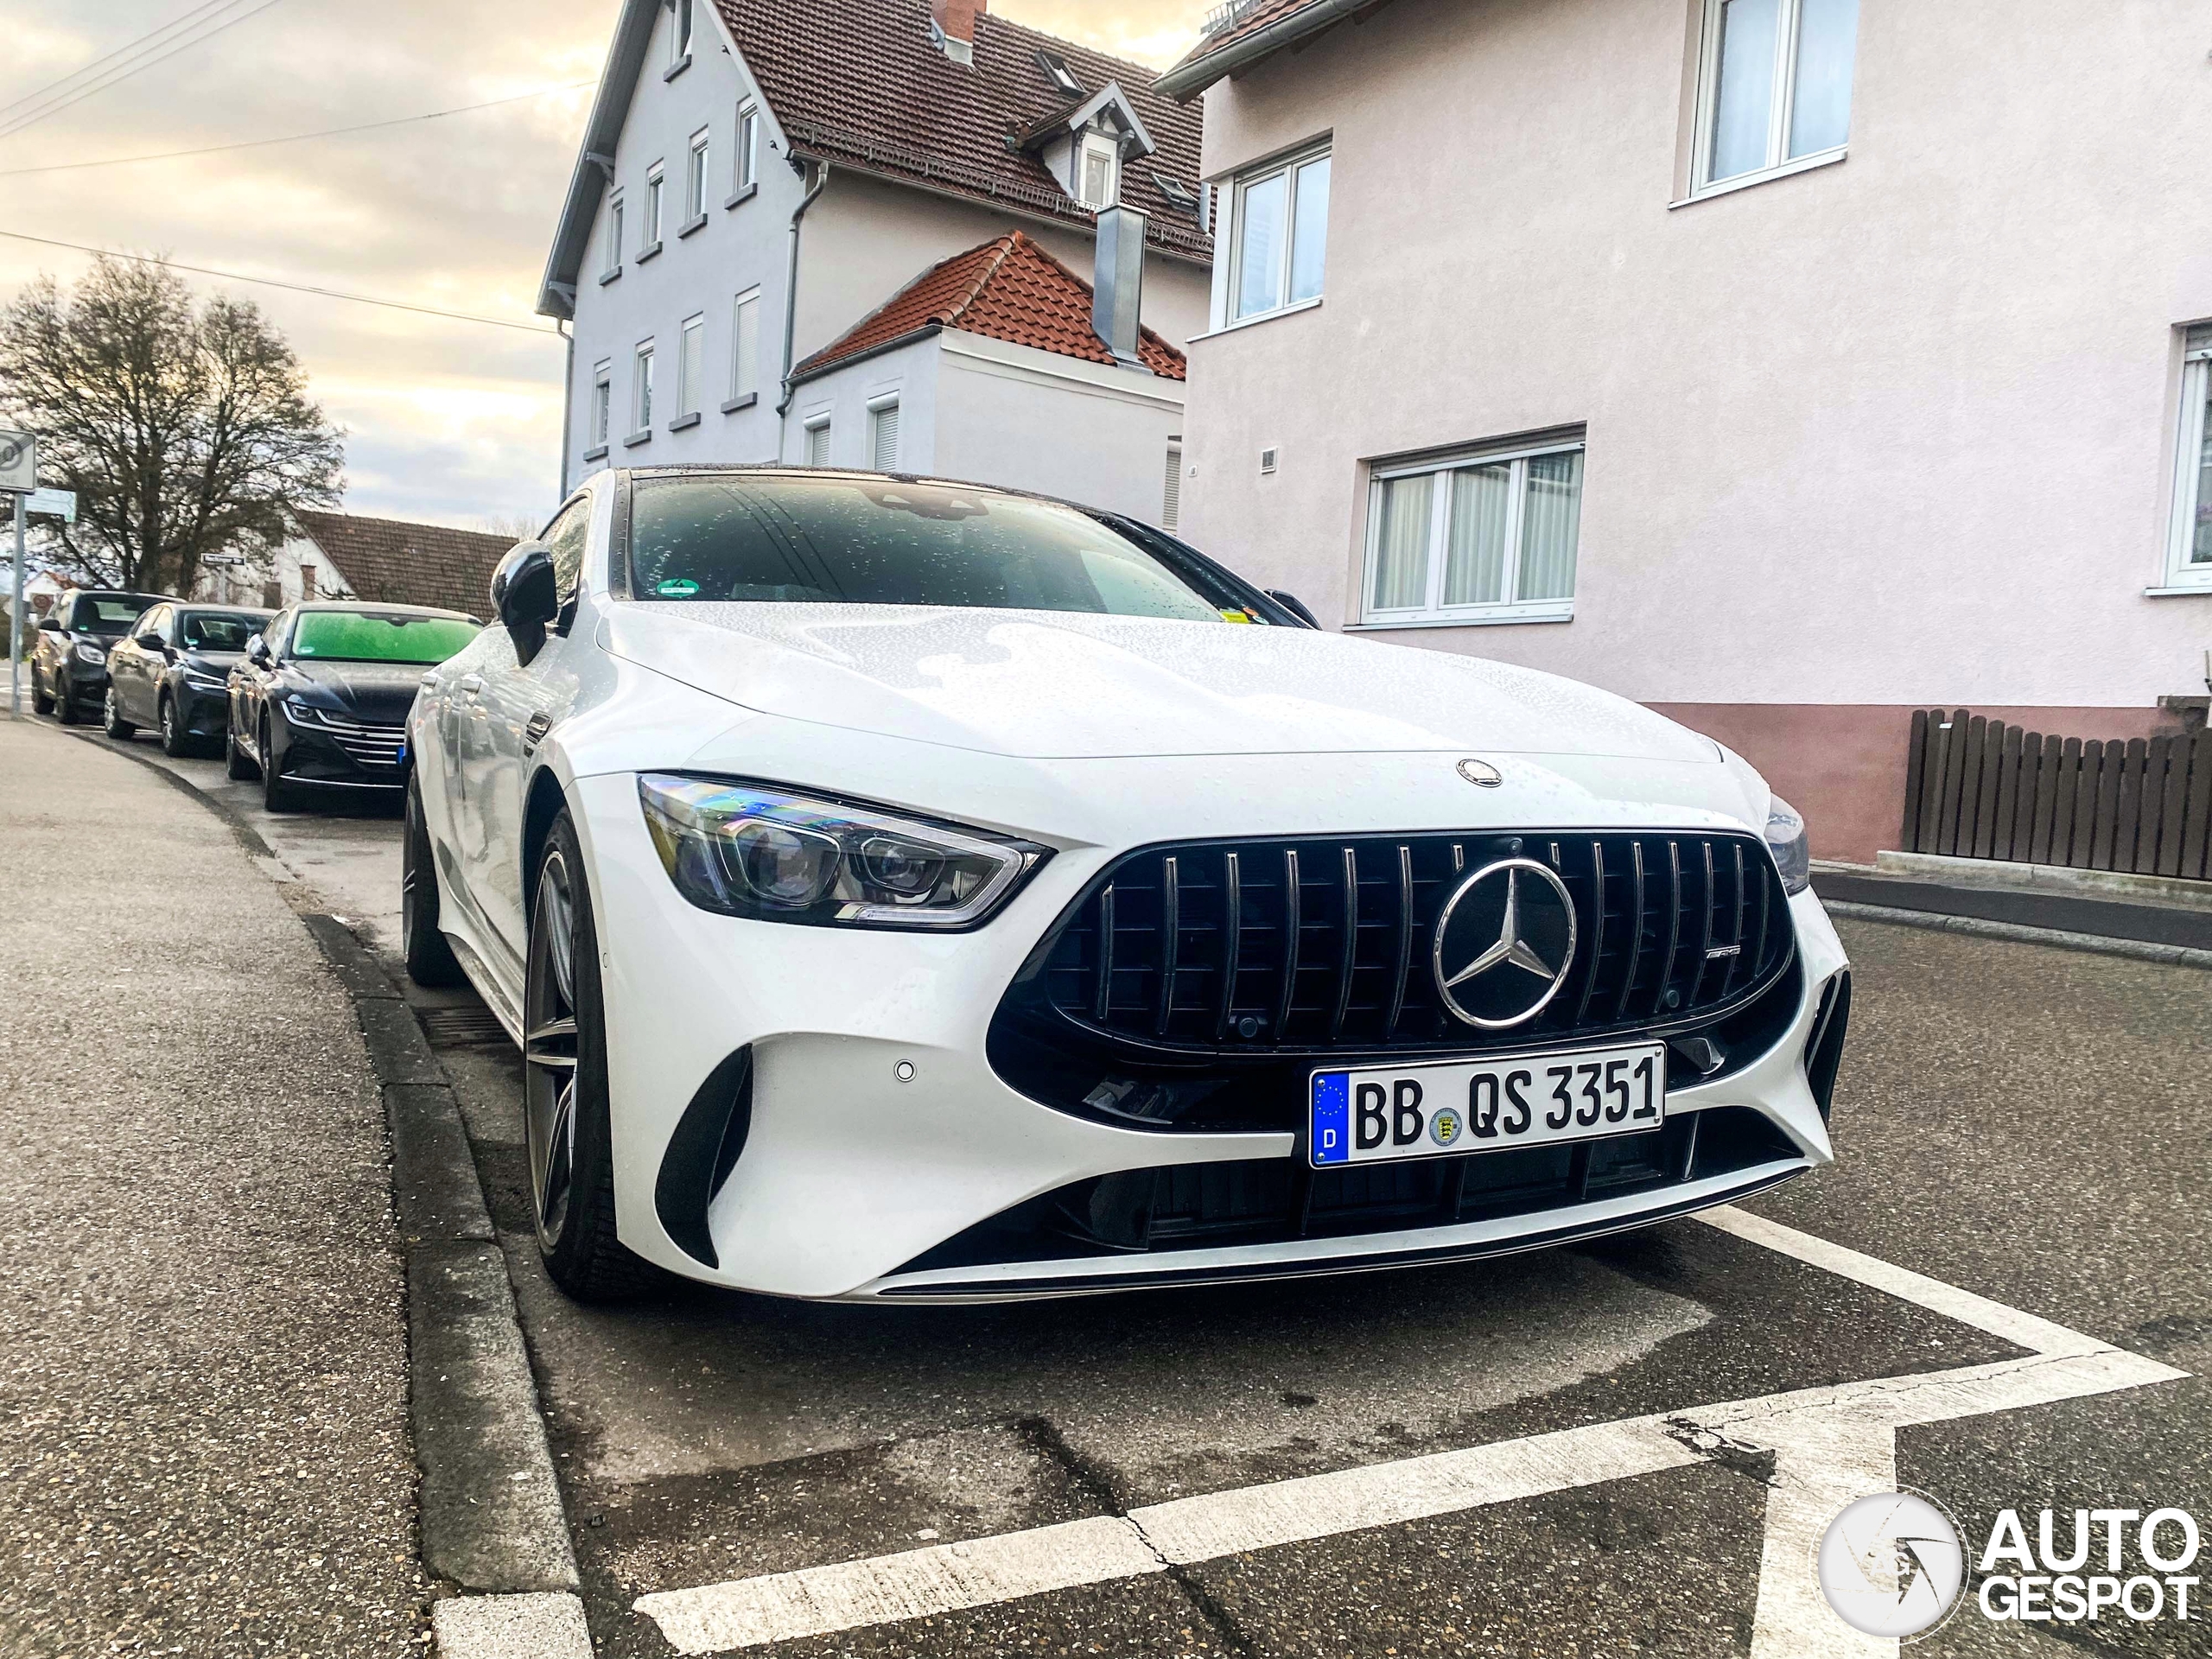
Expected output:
(565, 1104)
(41, 700)
(277, 795)
(112, 719)
(176, 742)
(429, 958)
(237, 764)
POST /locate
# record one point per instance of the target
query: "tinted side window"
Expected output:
(160, 622)
(568, 536)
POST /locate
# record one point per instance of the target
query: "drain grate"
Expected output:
(465, 1027)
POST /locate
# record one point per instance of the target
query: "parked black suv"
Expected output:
(69, 663)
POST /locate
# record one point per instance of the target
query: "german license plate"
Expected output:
(1383, 1114)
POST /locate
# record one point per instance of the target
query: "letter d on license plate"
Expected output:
(1382, 1114)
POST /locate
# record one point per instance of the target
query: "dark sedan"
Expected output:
(69, 662)
(319, 703)
(172, 672)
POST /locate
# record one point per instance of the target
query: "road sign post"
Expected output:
(18, 478)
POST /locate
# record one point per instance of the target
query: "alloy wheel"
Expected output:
(549, 1050)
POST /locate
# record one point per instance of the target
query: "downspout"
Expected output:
(568, 398)
(791, 299)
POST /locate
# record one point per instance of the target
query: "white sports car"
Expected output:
(913, 891)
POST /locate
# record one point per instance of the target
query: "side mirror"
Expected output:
(49, 625)
(1295, 606)
(257, 650)
(147, 641)
(526, 594)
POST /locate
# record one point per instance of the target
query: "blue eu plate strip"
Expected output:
(1331, 1141)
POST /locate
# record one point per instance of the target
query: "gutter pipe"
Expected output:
(1186, 80)
(791, 298)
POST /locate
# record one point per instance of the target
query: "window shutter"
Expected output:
(885, 432)
(744, 367)
(2199, 340)
(817, 445)
(1171, 501)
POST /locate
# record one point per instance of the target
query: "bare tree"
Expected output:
(515, 526)
(183, 432)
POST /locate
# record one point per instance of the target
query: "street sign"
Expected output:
(62, 504)
(18, 463)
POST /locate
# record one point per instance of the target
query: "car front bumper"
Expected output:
(357, 755)
(877, 1138)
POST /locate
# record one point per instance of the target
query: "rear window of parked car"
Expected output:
(871, 540)
(378, 637)
(214, 631)
(108, 615)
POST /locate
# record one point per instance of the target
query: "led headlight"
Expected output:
(89, 652)
(1785, 838)
(200, 680)
(746, 849)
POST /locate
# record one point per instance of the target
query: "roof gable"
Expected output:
(1240, 33)
(397, 562)
(1009, 289)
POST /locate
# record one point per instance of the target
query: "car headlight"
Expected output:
(746, 849)
(89, 652)
(1785, 839)
(199, 682)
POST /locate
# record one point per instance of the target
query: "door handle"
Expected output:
(471, 683)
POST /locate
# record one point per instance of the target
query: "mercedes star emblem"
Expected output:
(1505, 942)
(1481, 773)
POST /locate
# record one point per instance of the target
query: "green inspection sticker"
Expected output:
(677, 588)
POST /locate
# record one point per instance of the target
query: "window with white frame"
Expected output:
(1171, 499)
(817, 441)
(695, 178)
(641, 400)
(883, 433)
(745, 345)
(2188, 553)
(603, 401)
(748, 146)
(614, 262)
(679, 40)
(1486, 536)
(690, 365)
(1098, 171)
(1279, 235)
(1773, 86)
(649, 231)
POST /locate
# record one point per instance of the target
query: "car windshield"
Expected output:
(378, 637)
(220, 630)
(108, 615)
(869, 541)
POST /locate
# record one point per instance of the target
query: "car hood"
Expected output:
(212, 661)
(1076, 685)
(378, 691)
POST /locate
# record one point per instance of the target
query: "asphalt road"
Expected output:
(2025, 1124)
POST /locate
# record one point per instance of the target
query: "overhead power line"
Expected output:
(126, 61)
(296, 288)
(298, 137)
(77, 76)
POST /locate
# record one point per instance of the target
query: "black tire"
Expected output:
(176, 742)
(430, 960)
(237, 764)
(565, 1099)
(41, 702)
(112, 719)
(64, 703)
(277, 795)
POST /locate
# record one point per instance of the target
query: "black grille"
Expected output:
(368, 743)
(1323, 946)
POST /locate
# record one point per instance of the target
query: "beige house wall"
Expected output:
(1898, 430)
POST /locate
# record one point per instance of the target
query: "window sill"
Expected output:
(744, 402)
(1501, 616)
(691, 225)
(637, 438)
(597, 452)
(1764, 175)
(648, 252)
(676, 68)
(607, 276)
(2181, 590)
(684, 421)
(1264, 316)
(744, 193)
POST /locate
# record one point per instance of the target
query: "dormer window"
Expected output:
(1057, 71)
(1098, 177)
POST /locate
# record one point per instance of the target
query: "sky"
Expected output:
(456, 423)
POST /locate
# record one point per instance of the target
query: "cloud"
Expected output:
(448, 421)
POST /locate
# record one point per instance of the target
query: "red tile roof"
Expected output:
(1246, 18)
(396, 562)
(859, 81)
(1009, 288)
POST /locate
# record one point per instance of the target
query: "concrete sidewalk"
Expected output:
(204, 1405)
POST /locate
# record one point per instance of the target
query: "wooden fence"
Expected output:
(1979, 788)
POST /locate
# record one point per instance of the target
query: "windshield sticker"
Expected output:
(676, 588)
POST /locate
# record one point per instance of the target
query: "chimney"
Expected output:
(1117, 282)
(956, 23)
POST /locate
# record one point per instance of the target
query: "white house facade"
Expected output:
(1787, 365)
(758, 176)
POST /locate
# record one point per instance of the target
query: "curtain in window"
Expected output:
(1259, 257)
(1743, 106)
(689, 367)
(1820, 111)
(1474, 558)
(2200, 538)
(1401, 544)
(1549, 520)
(1310, 230)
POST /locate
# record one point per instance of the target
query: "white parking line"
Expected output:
(1830, 1445)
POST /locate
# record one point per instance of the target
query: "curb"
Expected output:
(2171, 956)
